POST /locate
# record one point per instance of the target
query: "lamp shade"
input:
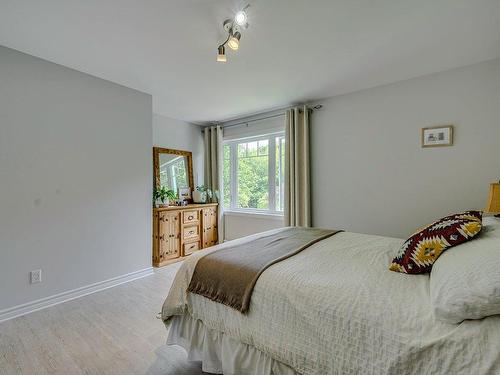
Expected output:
(234, 41)
(221, 54)
(493, 205)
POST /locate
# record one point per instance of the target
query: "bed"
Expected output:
(333, 308)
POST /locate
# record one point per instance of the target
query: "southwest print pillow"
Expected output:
(420, 251)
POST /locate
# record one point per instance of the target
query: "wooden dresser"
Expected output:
(180, 231)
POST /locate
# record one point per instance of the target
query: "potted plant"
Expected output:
(162, 196)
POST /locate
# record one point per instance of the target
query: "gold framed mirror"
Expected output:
(173, 168)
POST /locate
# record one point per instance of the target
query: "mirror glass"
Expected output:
(173, 171)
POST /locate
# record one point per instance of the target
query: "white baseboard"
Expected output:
(43, 303)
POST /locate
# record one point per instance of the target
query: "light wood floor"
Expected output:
(111, 332)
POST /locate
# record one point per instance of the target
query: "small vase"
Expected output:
(199, 196)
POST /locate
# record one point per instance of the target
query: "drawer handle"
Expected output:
(191, 232)
(190, 217)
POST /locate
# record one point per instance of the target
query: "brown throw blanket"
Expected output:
(228, 275)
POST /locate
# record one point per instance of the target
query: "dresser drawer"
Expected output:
(192, 216)
(189, 233)
(191, 247)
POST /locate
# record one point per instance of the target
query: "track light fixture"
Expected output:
(233, 27)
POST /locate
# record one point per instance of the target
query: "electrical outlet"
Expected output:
(36, 276)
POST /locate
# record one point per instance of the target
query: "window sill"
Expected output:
(257, 214)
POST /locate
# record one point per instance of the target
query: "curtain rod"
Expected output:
(316, 107)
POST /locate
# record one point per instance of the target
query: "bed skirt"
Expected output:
(220, 354)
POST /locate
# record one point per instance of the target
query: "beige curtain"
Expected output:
(297, 168)
(213, 168)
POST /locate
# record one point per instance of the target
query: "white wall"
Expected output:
(180, 135)
(239, 224)
(371, 175)
(75, 178)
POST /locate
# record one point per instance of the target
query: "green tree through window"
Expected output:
(253, 173)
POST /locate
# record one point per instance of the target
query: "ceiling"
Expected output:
(294, 51)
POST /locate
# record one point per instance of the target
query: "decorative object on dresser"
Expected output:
(493, 206)
(163, 197)
(437, 136)
(199, 196)
(180, 231)
(185, 194)
(202, 194)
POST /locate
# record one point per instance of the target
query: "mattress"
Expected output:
(335, 308)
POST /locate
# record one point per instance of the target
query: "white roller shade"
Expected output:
(255, 128)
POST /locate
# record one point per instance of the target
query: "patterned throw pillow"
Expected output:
(420, 251)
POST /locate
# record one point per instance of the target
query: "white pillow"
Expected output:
(465, 280)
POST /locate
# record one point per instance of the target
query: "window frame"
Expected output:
(233, 166)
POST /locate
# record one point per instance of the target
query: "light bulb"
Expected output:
(234, 41)
(221, 54)
(240, 18)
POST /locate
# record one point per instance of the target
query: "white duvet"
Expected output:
(335, 308)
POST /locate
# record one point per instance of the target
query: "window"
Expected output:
(253, 177)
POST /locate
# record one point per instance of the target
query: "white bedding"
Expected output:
(335, 308)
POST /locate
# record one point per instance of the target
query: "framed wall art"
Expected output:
(437, 136)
